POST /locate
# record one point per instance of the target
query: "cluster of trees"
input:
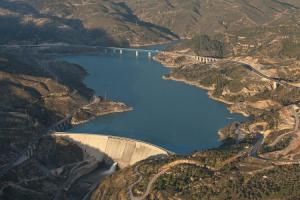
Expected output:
(279, 183)
(203, 45)
(290, 48)
(285, 141)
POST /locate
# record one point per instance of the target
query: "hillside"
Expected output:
(88, 22)
(187, 18)
(257, 75)
(255, 71)
(132, 22)
(36, 99)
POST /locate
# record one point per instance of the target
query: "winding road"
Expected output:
(169, 166)
(162, 171)
(262, 75)
(296, 128)
(22, 158)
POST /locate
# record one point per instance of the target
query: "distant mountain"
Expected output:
(22, 23)
(187, 18)
(132, 22)
(73, 21)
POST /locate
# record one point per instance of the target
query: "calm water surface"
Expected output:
(170, 114)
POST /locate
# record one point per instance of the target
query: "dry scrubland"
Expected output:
(258, 76)
(38, 98)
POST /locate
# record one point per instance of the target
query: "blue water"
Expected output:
(170, 114)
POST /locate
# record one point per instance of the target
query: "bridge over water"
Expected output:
(135, 50)
(120, 50)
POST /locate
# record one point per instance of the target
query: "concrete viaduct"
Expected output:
(137, 51)
(205, 59)
(119, 50)
(124, 151)
(150, 52)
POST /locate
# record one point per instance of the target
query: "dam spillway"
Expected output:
(125, 151)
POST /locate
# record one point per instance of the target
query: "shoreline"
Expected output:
(209, 90)
(115, 111)
(221, 135)
(154, 43)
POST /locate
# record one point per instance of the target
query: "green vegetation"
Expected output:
(265, 30)
(291, 48)
(283, 143)
(203, 45)
(196, 183)
(55, 152)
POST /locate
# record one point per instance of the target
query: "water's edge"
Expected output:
(143, 76)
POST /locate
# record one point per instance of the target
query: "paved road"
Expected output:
(168, 166)
(22, 158)
(76, 172)
(249, 67)
(296, 128)
(164, 169)
(277, 80)
(261, 138)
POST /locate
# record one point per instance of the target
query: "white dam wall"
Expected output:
(122, 150)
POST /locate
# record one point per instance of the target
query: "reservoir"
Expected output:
(173, 115)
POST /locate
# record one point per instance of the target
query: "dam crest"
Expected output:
(122, 150)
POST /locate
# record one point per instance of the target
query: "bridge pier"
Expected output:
(120, 50)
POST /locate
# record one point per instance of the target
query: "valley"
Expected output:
(244, 54)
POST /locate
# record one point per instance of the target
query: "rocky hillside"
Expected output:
(187, 18)
(259, 158)
(131, 22)
(38, 98)
(74, 21)
(21, 23)
(260, 77)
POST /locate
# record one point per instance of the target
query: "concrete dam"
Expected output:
(124, 151)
